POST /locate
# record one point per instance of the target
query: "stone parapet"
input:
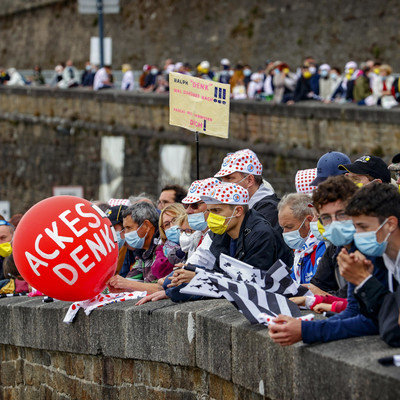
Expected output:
(197, 350)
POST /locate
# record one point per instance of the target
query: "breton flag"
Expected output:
(252, 301)
(259, 295)
(276, 279)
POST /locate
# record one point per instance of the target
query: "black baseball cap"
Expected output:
(369, 165)
(114, 214)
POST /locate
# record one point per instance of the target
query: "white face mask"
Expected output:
(189, 242)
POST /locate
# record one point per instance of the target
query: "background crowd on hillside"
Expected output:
(368, 83)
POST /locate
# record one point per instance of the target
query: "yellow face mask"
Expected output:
(307, 74)
(321, 228)
(5, 249)
(217, 223)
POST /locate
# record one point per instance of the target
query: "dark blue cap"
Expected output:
(328, 165)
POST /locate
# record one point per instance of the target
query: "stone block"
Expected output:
(260, 365)
(213, 340)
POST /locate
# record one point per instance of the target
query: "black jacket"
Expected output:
(327, 276)
(268, 208)
(258, 244)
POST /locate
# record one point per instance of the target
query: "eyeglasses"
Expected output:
(327, 219)
(168, 224)
(187, 232)
(4, 222)
(193, 206)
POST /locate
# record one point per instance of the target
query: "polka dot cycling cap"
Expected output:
(199, 188)
(244, 161)
(227, 193)
(303, 180)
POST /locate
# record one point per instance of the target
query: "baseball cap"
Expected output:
(303, 179)
(227, 193)
(328, 166)
(244, 161)
(200, 188)
(114, 214)
(117, 202)
(369, 165)
(395, 166)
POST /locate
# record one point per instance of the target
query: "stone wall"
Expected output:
(251, 31)
(52, 138)
(198, 350)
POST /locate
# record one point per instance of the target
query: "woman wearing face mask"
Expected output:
(189, 238)
(169, 252)
(295, 217)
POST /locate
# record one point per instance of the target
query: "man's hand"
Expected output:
(152, 297)
(119, 284)
(321, 307)
(299, 300)
(315, 289)
(285, 331)
(354, 267)
(181, 276)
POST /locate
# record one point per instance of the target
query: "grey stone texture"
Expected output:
(52, 138)
(196, 350)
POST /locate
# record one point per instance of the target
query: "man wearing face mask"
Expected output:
(141, 234)
(330, 199)
(367, 169)
(237, 231)
(295, 217)
(244, 168)
(375, 211)
(6, 235)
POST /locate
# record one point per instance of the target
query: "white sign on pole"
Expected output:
(5, 209)
(95, 51)
(68, 191)
(90, 6)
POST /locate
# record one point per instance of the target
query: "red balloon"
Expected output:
(66, 247)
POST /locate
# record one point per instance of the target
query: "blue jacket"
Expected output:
(347, 324)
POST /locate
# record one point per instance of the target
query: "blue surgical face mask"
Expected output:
(173, 234)
(314, 230)
(197, 221)
(120, 240)
(340, 233)
(134, 240)
(247, 72)
(293, 239)
(324, 73)
(368, 244)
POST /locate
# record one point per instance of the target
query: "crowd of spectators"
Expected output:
(339, 236)
(367, 83)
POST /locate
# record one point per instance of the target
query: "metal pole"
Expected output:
(197, 155)
(101, 31)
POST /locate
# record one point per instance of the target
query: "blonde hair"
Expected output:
(175, 209)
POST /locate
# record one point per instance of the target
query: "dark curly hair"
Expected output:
(379, 200)
(333, 189)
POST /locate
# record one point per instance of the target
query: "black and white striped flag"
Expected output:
(276, 279)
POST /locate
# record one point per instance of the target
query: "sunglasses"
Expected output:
(193, 206)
